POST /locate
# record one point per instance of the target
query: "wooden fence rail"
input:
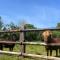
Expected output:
(31, 43)
(29, 30)
(30, 55)
(41, 56)
(8, 52)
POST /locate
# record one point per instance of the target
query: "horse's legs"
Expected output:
(47, 52)
(59, 51)
(50, 52)
(1, 47)
(10, 49)
(56, 52)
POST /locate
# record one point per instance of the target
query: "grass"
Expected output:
(32, 49)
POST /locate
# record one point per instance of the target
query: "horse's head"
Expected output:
(47, 36)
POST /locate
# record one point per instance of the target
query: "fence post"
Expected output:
(23, 46)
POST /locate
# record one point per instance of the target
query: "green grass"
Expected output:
(32, 49)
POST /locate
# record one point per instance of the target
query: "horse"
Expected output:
(48, 39)
(8, 45)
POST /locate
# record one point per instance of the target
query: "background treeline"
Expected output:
(29, 36)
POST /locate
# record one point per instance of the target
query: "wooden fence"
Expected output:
(23, 44)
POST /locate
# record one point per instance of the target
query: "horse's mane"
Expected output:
(45, 34)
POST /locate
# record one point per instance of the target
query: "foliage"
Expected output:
(8, 35)
(56, 34)
(11, 26)
(1, 23)
(58, 25)
(29, 26)
(31, 36)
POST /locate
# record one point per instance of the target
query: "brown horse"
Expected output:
(8, 45)
(48, 39)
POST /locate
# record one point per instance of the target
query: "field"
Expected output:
(34, 49)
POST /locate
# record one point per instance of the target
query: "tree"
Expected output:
(58, 25)
(12, 26)
(31, 36)
(1, 23)
(29, 26)
(57, 33)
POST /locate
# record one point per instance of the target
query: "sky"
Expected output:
(40, 13)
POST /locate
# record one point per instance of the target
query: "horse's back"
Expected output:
(56, 40)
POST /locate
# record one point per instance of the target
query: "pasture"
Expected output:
(32, 49)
